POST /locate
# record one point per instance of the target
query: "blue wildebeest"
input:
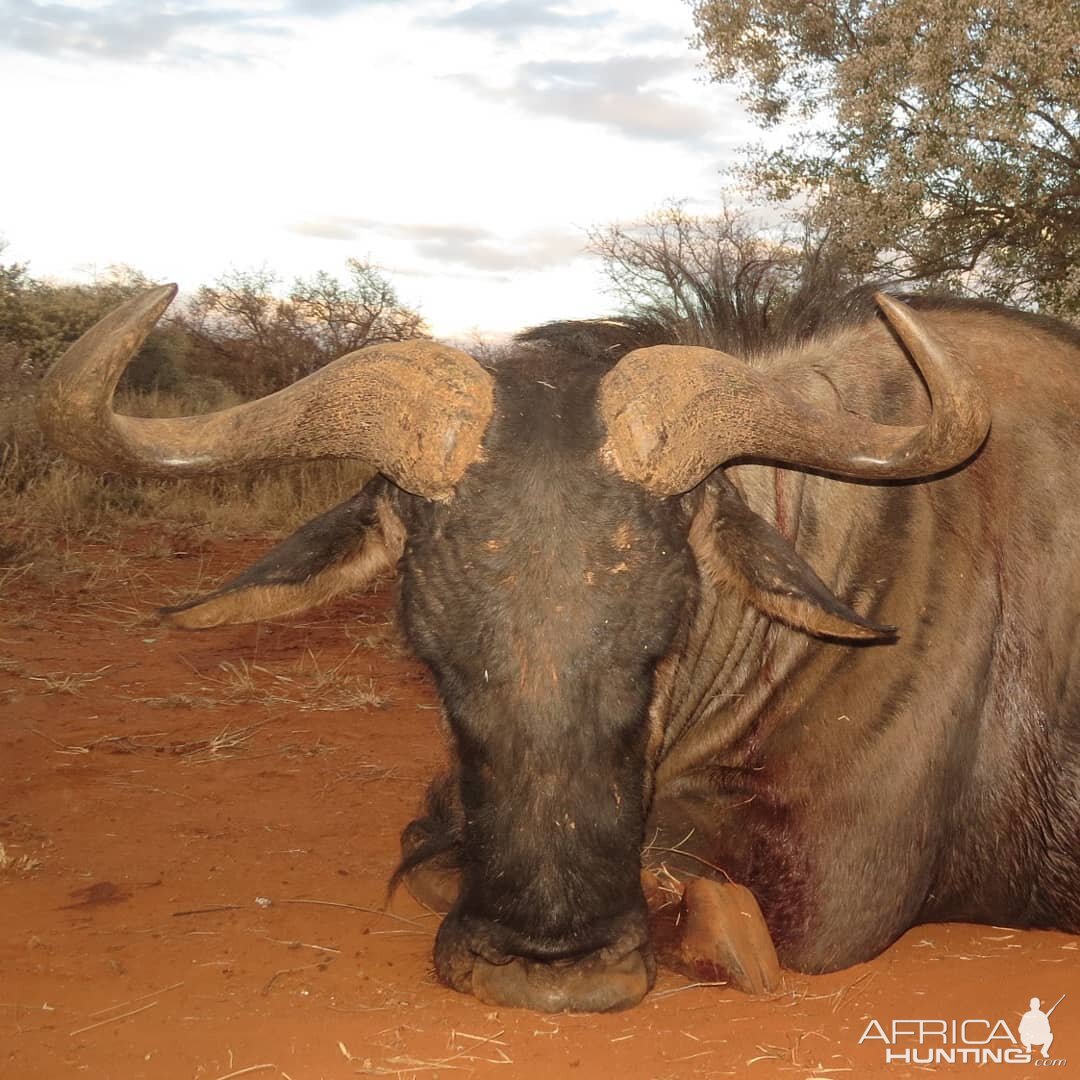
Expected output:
(803, 619)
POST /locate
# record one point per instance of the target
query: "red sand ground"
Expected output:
(210, 864)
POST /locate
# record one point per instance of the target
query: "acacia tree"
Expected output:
(257, 341)
(940, 139)
(364, 309)
(721, 281)
(241, 335)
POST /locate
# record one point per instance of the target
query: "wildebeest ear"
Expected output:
(742, 551)
(337, 552)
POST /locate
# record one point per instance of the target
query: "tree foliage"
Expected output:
(940, 139)
(236, 333)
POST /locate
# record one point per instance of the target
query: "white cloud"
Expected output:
(444, 151)
(512, 20)
(471, 247)
(127, 30)
(624, 93)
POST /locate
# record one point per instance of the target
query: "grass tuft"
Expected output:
(305, 685)
(17, 864)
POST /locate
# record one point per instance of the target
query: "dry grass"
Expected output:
(229, 743)
(467, 1052)
(180, 701)
(386, 636)
(67, 682)
(305, 684)
(17, 864)
(45, 498)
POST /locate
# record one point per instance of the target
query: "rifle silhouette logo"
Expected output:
(1035, 1027)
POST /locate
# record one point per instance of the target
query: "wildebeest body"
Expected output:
(693, 663)
(861, 789)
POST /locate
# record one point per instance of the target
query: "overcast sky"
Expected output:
(463, 146)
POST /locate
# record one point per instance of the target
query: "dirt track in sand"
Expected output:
(198, 831)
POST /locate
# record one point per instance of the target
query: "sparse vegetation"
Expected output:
(306, 685)
(241, 333)
(45, 497)
(67, 682)
(236, 340)
(722, 281)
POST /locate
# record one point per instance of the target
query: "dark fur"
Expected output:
(492, 588)
(608, 340)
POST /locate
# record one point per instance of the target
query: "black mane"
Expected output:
(608, 340)
(603, 340)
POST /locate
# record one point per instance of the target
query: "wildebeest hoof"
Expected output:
(721, 936)
(433, 880)
(436, 888)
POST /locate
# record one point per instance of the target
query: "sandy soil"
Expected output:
(197, 832)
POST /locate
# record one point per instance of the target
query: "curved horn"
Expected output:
(415, 410)
(674, 413)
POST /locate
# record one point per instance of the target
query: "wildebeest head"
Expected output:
(550, 520)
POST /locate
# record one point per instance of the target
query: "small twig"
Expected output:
(209, 910)
(468, 1050)
(845, 991)
(59, 745)
(360, 1008)
(355, 907)
(249, 1069)
(284, 971)
(478, 1038)
(141, 997)
(300, 944)
(124, 784)
(112, 1019)
(680, 989)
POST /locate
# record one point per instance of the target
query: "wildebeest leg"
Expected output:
(716, 933)
(717, 930)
